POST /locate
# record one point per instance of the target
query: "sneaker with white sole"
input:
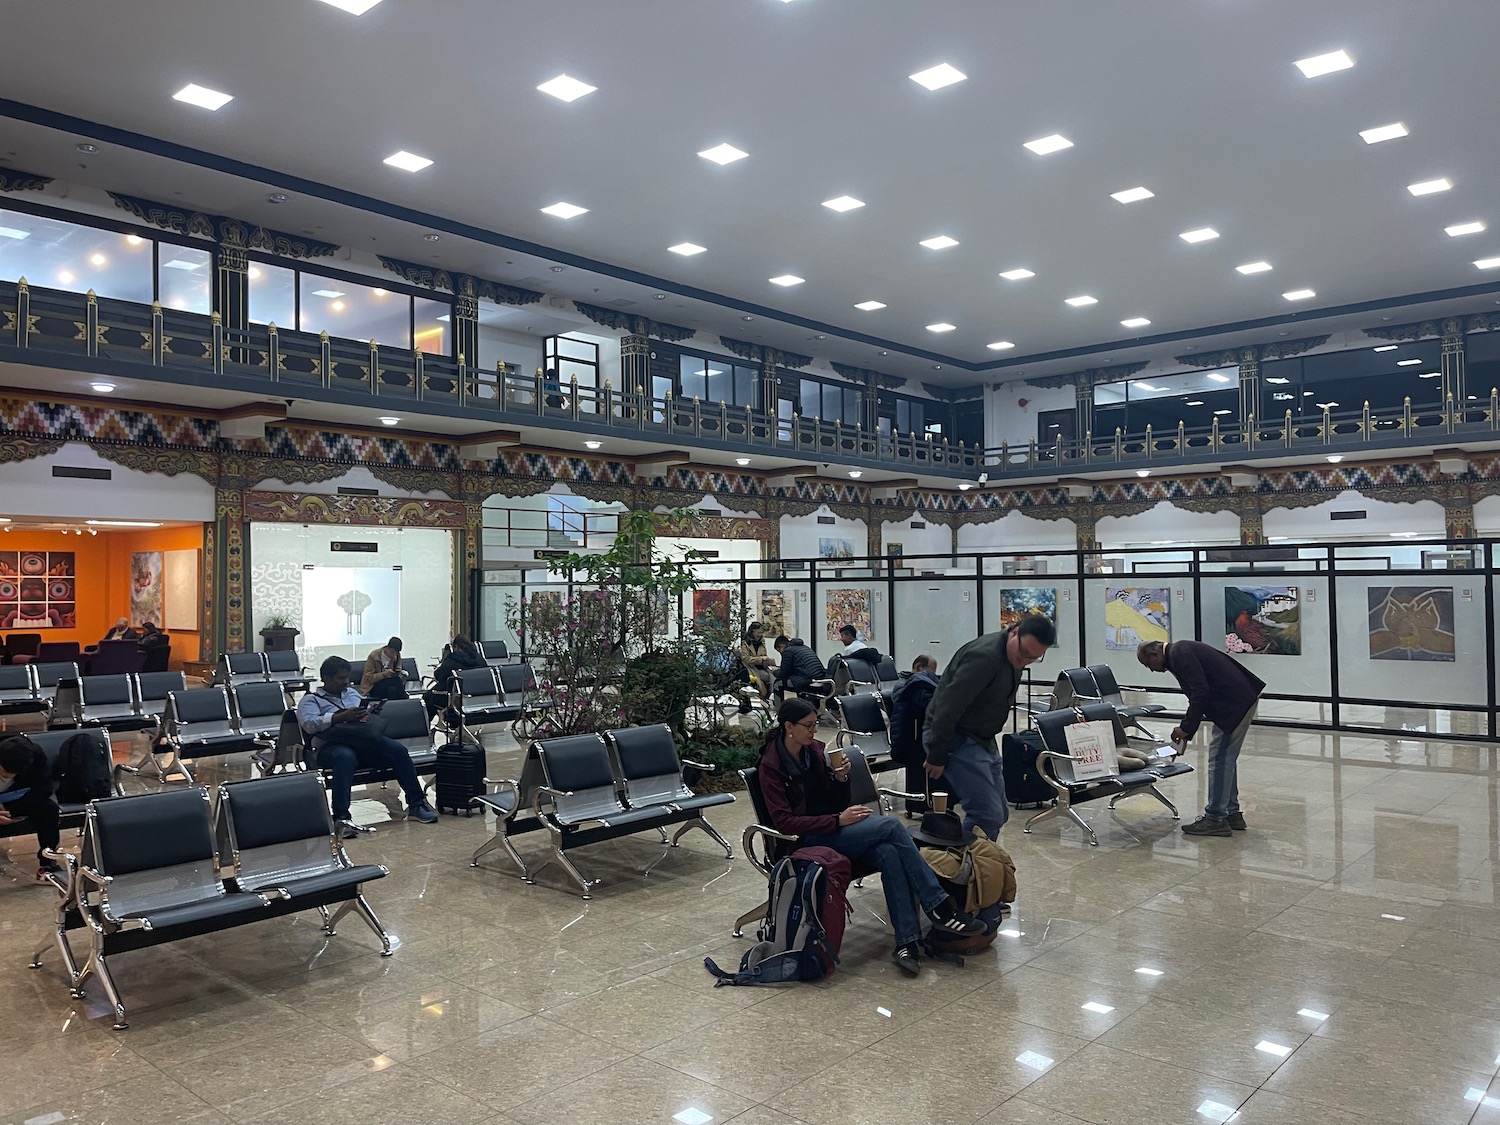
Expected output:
(947, 917)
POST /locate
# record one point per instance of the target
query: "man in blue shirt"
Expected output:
(337, 720)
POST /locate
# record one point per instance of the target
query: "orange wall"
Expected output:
(102, 566)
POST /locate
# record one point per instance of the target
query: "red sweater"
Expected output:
(786, 794)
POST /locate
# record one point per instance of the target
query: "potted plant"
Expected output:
(279, 633)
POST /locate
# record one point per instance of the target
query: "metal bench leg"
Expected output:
(500, 840)
(754, 914)
(97, 965)
(1046, 814)
(373, 922)
(663, 832)
(1162, 797)
(330, 921)
(702, 822)
(1078, 820)
(567, 865)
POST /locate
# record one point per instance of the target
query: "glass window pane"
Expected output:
(694, 378)
(720, 383)
(53, 254)
(354, 312)
(185, 280)
(744, 386)
(433, 320)
(273, 295)
(812, 399)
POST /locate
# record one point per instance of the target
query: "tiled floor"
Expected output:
(1338, 964)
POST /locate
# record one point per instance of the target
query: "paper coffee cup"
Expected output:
(837, 759)
(940, 802)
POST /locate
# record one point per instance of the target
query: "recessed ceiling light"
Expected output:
(86, 148)
(565, 210)
(592, 444)
(1146, 387)
(387, 420)
(1430, 375)
(1464, 228)
(687, 249)
(277, 198)
(1044, 146)
(1133, 195)
(723, 154)
(658, 296)
(1383, 133)
(941, 326)
(1319, 65)
(431, 237)
(869, 306)
(65, 277)
(940, 242)
(12, 232)
(353, 7)
(181, 264)
(856, 473)
(1202, 234)
(1223, 412)
(1325, 405)
(1082, 300)
(122, 523)
(103, 388)
(1000, 346)
(331, 294)
(1215, 377)
(742, 460)
(1488, 263)
(203, 97)
(1299, 294)
(1281, 381)
(936, 77)
(1407, 362)
(1387, 347)
(842, 203)
(1135, 322)
(965, 486)
(337, 306)
(1254, 267)
(1194, 402)
(566, 89)
(1430, 187)
(787, 279)
(407, 161)
(98, 261)
(1017, 274)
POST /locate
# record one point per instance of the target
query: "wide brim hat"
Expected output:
(940, 830)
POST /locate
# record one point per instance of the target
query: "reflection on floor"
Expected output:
(1338, 963)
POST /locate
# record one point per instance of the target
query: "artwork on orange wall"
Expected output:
(37, 590)
(146, 587)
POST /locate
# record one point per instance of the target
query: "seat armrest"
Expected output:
(1048, 775)
(507, 783)
(761, 860)
(897, 793)
(701, 767)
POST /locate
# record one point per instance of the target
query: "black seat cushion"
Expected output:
(152, 830)
(705, 801)
(349, 878)
(646, 751)
(277, 809)
(223, 906)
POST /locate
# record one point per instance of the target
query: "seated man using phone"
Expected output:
(346, 735)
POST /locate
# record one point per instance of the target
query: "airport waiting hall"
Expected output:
(326, 324)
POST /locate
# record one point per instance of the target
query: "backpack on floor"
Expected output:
(804, 927)
(1024, 786)
(85, 770)
(982, 876)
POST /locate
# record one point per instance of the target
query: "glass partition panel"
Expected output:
(354, 312)
(934, 615)
(273, 295)
(1277, 626)
(495, 600)
(1415, 638)
(853, 601)
(1121, 611)
(1007, 600)
(61, 255)
(185, 279)
(431, 321)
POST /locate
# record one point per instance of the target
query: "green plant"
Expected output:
(730, 748)
(279, 621)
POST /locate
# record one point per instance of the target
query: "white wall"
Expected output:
(1018, 532)
(1313, 525)
(934, 539)
(358, 476)
(28, 488)
(520, 348)
(800, 534)
(1005, 419)
(1168, 524)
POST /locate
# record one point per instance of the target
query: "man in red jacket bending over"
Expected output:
(1222, 690)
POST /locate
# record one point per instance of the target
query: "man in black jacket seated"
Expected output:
(800, 665)
(24, 772)
(908, 717)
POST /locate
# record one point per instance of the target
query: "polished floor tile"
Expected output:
(1338, 963)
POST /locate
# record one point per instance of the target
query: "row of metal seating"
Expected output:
(586, 788)
(123, 702)
(28, 688)
(51, 743)
(281, 667)
(160, 867)
(1097, 684)
(496, 695)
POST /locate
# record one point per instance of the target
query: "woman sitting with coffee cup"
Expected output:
(807, 795)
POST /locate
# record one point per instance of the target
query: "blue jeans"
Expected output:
(386, 753)
(905, 877)
(974, 777)
(1224, 768)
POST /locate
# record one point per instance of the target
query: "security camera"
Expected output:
(984, 478)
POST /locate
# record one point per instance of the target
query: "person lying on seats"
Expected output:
(25, 777)
(808, 797)
(346, 737)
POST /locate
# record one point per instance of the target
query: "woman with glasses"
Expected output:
(808, 798)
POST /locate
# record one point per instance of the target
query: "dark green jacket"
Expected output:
(975, 696)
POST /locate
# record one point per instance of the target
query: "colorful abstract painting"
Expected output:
(835, 548)
(1412, 623)
(38, 590)
(847, 607)
(147, 588)
(1133, 614)
(710, 609)
(1024, 601)
(775, 613)
(1263, 620)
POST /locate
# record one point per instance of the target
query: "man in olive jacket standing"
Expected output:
(971, 706)
(1221, 689)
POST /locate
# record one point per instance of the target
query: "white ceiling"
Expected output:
(1196, 99)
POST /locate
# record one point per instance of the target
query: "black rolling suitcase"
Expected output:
(1024, 786)
(460, 776)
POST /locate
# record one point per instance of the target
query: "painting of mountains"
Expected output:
(1263, 620)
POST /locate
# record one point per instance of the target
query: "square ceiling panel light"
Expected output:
(787, 279)
(1133, 195)
(941, 326)
(1488, 263)
(202, 97)
(1202, 234)
(1017, 274)
(353, 7)
(1000, 346)
(408, 161)
(940, 242)
(1254, 267)
(565, 88)
(842, 203)
(1082, 301)
(1044, 146)
(1299, 294)
(1135, 322)
(1458, 229)
(723, 154)
(936, 77)
(1429, 187)
(869, 306)
(1383, 133)
(687, 249)
(1319, 65)
(565, 210)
